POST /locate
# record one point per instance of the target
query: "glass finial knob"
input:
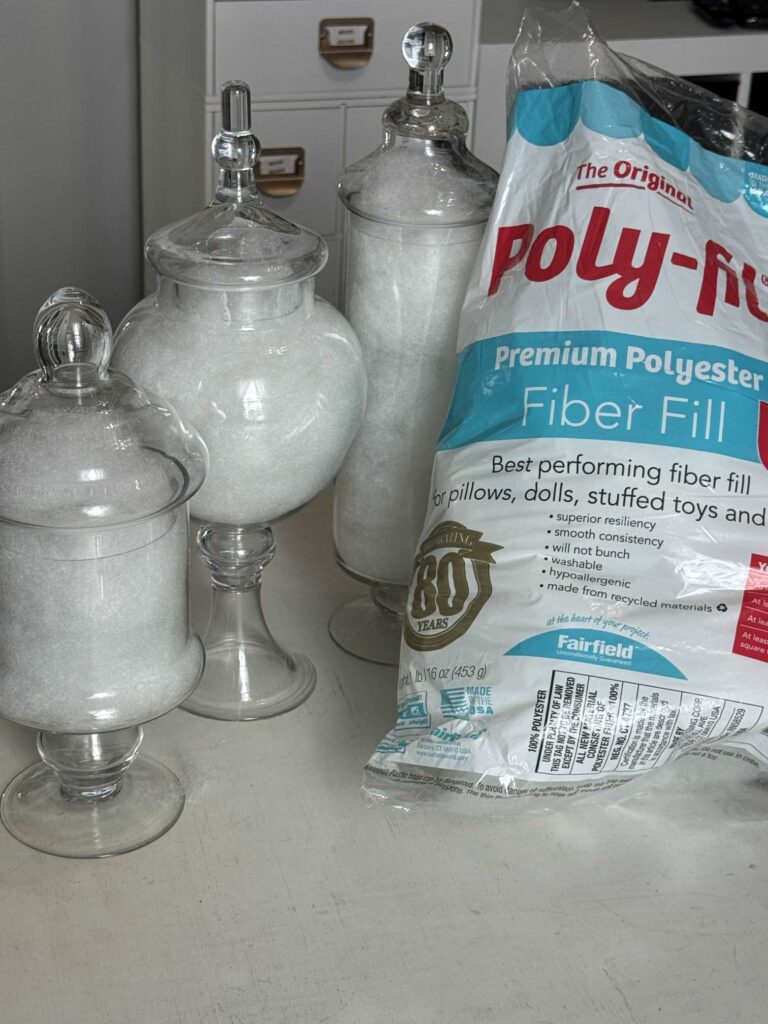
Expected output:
(73, 337)
(235, 147)
(427, 48)
(235, 108)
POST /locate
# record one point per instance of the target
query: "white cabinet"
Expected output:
(273, 45)
(300, 101)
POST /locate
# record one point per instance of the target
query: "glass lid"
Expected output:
(236, 242)
(423, 172)
(80, 445)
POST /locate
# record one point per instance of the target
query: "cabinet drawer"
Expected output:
(273, 45)
(319, 133)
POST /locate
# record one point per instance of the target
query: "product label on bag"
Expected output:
(590, 598)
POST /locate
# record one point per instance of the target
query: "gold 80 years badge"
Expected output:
(451, 583)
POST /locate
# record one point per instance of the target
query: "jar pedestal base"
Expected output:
(245, 681)
(370, 628)
(247, 674)
(145, 804)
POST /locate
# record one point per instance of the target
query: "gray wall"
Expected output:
(69, 161)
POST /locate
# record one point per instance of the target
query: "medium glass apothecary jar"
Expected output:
(95, 635)
(272, 377)
(416, 210)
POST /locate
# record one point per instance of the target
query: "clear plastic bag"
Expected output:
(590, 594)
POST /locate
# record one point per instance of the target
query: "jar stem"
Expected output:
(390, 600)
(247, 674)
(90, 766)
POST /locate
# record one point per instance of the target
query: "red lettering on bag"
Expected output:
(644, 276)
(716, 260)
(749, 274)
(632, 269)
(535, 269)
(504, 259)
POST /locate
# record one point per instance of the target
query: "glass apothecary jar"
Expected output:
(273, 379)
(95, 635)
(416, 211)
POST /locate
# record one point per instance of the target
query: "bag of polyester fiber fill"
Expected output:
(589, 598)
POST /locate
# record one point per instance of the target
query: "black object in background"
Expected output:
(716, 11)
(758, 97)
(726, 86)
(747, 13)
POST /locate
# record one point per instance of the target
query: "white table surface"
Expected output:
(281, 898)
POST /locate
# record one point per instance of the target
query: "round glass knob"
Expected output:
(73, 337)
(427, 48)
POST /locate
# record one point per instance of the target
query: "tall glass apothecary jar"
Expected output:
(273, 379)
(95, 635)
(416, 209)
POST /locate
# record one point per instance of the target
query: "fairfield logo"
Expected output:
(581, 645)
(630, 259)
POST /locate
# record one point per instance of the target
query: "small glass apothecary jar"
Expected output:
(273, 379)
(95, 636)
(416, 210)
